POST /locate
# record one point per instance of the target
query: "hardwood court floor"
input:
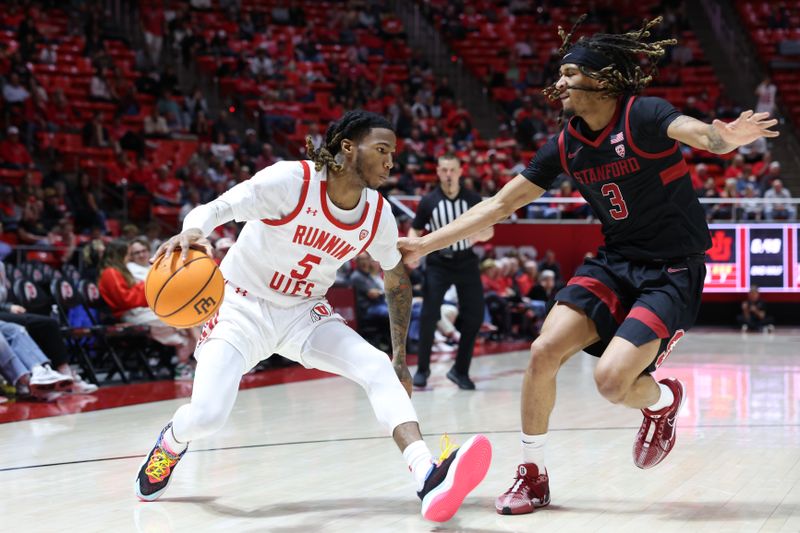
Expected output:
(309, 456)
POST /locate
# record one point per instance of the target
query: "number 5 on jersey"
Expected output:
(296, 282)
(307, 263)
(619, 209)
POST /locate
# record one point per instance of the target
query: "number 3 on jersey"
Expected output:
(619, 209)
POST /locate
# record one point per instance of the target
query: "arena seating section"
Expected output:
(772, 25)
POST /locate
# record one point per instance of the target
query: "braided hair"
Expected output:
(623, 75)
(354, 125)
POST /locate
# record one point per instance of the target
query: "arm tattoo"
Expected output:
(716, 144)
(398, 298)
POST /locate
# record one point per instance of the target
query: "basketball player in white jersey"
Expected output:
(304, 220)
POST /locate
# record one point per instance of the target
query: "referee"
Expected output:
(456, 265)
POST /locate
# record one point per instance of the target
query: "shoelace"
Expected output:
(447, 446)
(160, 465)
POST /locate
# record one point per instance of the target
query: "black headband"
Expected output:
(586, 57)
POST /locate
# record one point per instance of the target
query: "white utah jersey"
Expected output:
(292, 246)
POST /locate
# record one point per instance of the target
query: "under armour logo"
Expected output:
(312, 212)
(243, 292)
(202, 306)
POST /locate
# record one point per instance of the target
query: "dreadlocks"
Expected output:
(622, 75)
(354, 125)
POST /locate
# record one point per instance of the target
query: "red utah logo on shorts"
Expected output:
(320, 311)
(363, 235)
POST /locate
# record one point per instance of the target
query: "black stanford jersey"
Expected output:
(634, 177)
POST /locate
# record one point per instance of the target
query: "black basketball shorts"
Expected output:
(638, 301)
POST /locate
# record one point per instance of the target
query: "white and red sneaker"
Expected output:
(529, 491)
(648, 452)
(449, 481)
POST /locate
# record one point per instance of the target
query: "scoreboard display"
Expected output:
(741, 255)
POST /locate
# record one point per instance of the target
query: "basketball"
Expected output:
(184, 293)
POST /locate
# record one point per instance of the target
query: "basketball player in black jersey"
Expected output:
(636, 299)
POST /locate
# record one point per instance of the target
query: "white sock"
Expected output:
(174, 446)
(533, 450)
(419, 459)
(665, 400)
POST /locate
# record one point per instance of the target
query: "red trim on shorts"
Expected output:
(676, 171)
(636, 150)
(375, 222)
(600, 138)
(303, 194)
(651, 320)
(602, 291)
(323, 199)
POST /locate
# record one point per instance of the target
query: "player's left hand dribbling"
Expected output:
(184, 241)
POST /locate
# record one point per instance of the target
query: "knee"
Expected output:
(11, 330)
(206, 421)
(545, 358)
(611, 384)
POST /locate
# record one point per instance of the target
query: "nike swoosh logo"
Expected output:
(673, 270)
(573, 154)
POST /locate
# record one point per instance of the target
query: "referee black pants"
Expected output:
(44, 331)
(439, 275)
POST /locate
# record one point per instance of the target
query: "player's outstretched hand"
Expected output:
(184, 240)
(747, 128)
(411, 249)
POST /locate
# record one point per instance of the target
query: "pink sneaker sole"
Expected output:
(467, 471)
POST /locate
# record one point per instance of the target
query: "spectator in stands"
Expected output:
(725, 210)
(153, 27)
(221, 150)
(549, 262)
(13, 153)
(192, 200)
(31, 231)
(545, 289)
(371, 307)
(26, 368)
(44, 332)
(736, 168)
(166, 189)
(751, 207)
(83, 204)
(754, 314)
(99, 88)
(778, 211)
(14, 93)
(262, 64)
(766, 93)
(5, 247)
(155, 125)
(755, 150)
(773, 173)
(495, 290)
(193, 104)
(60, 112)
(10, 210)
(94, 133)
(138, 260)
(169, 109)
(125, 297)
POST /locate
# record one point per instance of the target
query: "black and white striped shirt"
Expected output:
(437, 210)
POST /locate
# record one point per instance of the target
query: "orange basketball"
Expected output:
(184, 293)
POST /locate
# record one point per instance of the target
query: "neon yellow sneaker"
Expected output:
(457, 473)
(155, 472)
